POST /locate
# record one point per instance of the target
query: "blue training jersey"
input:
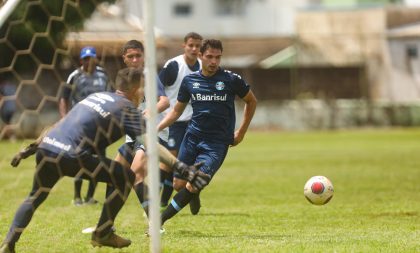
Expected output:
(82, 84)
(93, 124)
(213, 103)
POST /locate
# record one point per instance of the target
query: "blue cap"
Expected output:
(87, 52)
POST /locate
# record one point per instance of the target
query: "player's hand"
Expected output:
(16, 160)
(200, 180)
(192, 174)
(187, 172)
(24, 153)
(237, 138)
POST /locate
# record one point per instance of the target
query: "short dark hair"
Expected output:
(132, 44)
(192, 35)
(211, 43)
(127, 79)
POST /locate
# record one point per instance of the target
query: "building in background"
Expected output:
(316, 50)
(312, 63)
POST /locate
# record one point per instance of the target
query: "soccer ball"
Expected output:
(318, 190)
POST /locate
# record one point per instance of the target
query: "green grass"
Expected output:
(255, 203)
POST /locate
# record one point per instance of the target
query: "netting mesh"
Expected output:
(37, 54)
(36, 59)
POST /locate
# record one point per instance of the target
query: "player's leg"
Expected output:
(176, 135)
(77, 199)
(166, 177)
(188, 154)
(138, 166)
(132, 155)
(212, 154)
(47, 174)
(121, 180)
(91, 191)
(124, 157)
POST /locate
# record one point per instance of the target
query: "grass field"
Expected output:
(255, 203)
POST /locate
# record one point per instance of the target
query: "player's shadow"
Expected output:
(235, 214)
(198, 234)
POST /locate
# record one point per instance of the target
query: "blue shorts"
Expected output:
(128, 150)
(176, 134)
(194, 150)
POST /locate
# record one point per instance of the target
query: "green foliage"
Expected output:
(255, 202)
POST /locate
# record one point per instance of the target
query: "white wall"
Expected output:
(414, 3)
(259, 17)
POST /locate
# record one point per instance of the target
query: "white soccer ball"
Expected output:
(318, 190)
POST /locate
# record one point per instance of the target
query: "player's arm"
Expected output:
(133, 128)
(249, 110)
(64, 102)
(192, 173)
(30, 149)
(163, 100)
(63, 107)
(173, 115)
(162, 104)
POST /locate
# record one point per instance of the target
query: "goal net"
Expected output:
(40, 45)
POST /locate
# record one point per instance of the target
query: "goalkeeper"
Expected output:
(74, 147)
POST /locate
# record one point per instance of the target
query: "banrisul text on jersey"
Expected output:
(203, 97)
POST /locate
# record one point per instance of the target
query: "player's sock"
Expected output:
(109, 189)
(167, 187)
(141, 193)
(77, 187)
(180, 200)
(91, 190)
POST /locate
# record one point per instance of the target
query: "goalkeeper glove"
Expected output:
(192, 174)
(24, 153)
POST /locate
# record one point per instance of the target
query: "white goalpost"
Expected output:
(7, 9)
(152, 155)
(150, 92)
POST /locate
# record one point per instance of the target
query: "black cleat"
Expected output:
(195, 204)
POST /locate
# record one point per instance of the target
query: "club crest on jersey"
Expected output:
(196, 85)
(220, 85)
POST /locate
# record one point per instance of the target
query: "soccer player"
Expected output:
(211, 131)
(171, 76)
(75, 146)
(82, 82)
(132, 154)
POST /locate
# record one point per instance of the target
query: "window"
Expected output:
(230, 7)
(182, 9)
(411, 51)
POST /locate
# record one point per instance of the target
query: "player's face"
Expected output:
(134, 58)
(210, 61)
(88, 64)
(192, 48)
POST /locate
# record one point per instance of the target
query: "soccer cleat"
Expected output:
(110, 240)
(77, 202)
(90, 201)
(5, 248)
(195, 204)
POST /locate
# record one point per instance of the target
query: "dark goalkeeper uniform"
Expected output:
(75, 147)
